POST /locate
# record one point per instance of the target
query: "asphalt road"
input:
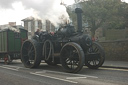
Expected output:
(17, 74)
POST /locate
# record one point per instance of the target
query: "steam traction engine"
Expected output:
(71, 49)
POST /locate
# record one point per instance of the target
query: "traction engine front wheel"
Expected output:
(72, 57)
(95, 56)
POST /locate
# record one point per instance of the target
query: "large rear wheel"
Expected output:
(31, 54)
(72, 57)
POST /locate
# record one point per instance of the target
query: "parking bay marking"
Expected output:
(53, 77)
(12, 66)
(15, 68)
(9, 68)
(114, 69)
(76, 77)
(81, 75)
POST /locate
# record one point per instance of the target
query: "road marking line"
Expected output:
(9, 68)
(76, 77)
(66, 73)
(12, 66)
(19, 61)
(15, 66)
(114, 69)
(53, 77)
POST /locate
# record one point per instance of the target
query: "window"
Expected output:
(29, 26)
(17, 35)
(36, 25)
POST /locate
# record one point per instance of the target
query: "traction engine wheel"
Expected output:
(48, 51)
(72, 57)
(97, 58)
(7, 59)
(30, 54)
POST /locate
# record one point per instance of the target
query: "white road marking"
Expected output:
(76, 77)
(53, 77)
(44, 71)
(12, 66)
(9, 68)
(15, 67)
(115, 69)
(19, 61)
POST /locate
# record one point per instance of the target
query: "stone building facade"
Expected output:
(49, 26)
(31, 24)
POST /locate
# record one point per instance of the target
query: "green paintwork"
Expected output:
(10, 41)
(3, 41)
(23, 33)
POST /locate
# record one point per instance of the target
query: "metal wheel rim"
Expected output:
(96, 48)
(73, 61)
(28, 54)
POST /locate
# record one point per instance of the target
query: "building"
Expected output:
(11, 26)
(49, 26)
(31, 24)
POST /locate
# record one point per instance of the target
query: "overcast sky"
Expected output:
(16, 10)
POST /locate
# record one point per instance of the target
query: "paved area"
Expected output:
(116, 64)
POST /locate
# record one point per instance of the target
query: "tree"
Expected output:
(100, 13)
(119, 16)
(97, 12)
(124, 13)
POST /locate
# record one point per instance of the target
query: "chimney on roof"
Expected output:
(12, 24)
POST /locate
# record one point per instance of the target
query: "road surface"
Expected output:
(17, 74)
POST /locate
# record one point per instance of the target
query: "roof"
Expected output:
(29, 19)
(9, 27)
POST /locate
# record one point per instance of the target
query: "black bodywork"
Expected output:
(72, 49)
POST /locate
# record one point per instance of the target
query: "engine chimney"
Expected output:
(79, 12)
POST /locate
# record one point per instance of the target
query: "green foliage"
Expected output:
(109, 14)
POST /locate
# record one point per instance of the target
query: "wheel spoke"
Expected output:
(75, 63)
(89, 62)
(73, 57)
(94, 62)
(97, 54)
(90, 50)
(27, 62)
(31, 49)
(71, 64)
(67, 60)
(28, 50)
(25, 48)
(30, 45)
(96, 49)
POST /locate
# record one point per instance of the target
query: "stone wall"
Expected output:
(111, 34)
(114, 34)
(116, 50)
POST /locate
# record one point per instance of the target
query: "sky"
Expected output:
(125, 1)
(16, 10)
